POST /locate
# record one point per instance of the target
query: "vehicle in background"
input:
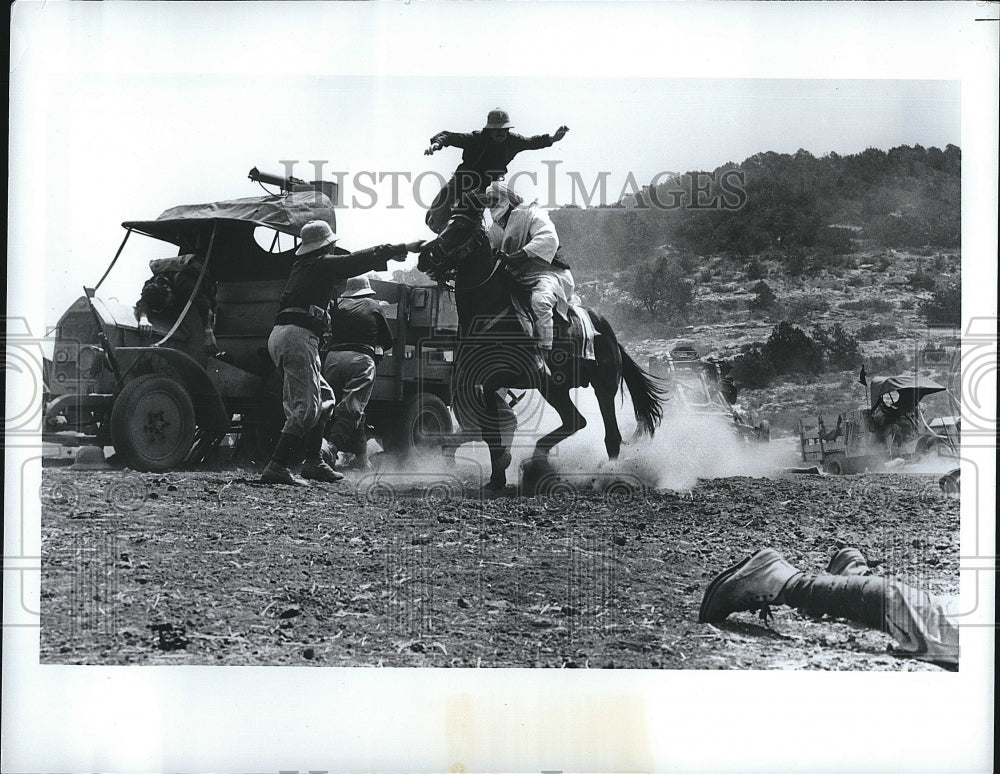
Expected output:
(891, 427)
(703, 386)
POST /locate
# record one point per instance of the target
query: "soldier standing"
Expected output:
(294, 343)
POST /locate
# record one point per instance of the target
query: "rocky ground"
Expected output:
(867, 292)
(209, 567)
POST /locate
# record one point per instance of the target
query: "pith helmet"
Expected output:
(357, 287)
(315, 234)
(498, 119)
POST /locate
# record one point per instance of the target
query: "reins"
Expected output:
(496, 267)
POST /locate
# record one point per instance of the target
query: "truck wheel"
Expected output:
(153, 423)
(835, 465)
(425, 418)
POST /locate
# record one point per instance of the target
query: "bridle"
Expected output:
(435, 257)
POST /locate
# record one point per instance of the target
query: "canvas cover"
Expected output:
(912, 389)
(286, 213)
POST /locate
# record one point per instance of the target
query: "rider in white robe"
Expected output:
(527, 237)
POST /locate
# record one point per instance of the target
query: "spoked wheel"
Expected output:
(153, 423)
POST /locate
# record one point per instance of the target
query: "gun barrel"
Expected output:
(285, 183)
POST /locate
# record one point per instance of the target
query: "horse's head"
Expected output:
(462, 239)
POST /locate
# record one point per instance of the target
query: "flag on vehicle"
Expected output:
(862, 377)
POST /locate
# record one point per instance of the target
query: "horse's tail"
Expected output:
(647, 394)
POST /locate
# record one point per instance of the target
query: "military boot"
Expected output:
(750, 585)
(277, 471)
(277, 474)
(317, 470)
(859, 598)
(848, 561)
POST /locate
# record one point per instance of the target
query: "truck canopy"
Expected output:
(236, 254)
(912, 389)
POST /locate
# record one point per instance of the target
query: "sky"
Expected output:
(128, 146)
(121, 133)
(121, 110)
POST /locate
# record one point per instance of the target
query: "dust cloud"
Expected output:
(684, 449)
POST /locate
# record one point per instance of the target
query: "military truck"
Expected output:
(702, 386)
(161, 401)
(890, 427)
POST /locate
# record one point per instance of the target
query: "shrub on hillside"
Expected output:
(794, 262)
(790, 350)
(894, 231)
(921, 280)
(839, 347)
(751, 368)
(944, 307)
(837, 241)
(764, 297)
(660, 285)
(754, 270)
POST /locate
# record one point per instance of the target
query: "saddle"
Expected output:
(574, 330)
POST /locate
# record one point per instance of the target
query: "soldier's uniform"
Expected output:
(359, 337)
(295, 339)
(484, 160)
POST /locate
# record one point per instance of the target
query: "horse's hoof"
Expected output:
(534, 470)
(497, 485)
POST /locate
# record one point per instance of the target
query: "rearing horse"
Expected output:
(496, 351)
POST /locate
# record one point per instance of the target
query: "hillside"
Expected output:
(859, 255)
(792, 204)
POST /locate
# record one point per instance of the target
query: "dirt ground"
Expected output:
(195, 567)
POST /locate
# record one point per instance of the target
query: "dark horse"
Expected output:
(496, 350)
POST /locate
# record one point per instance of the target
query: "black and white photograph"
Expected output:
(501, 386)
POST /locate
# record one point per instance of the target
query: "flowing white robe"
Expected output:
(529, 228)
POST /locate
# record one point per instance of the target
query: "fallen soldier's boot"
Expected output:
(859, 598)
(278, 474)
(848, 561)
(750, 585)
(320, 471)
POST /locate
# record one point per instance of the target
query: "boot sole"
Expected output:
(706, 602)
